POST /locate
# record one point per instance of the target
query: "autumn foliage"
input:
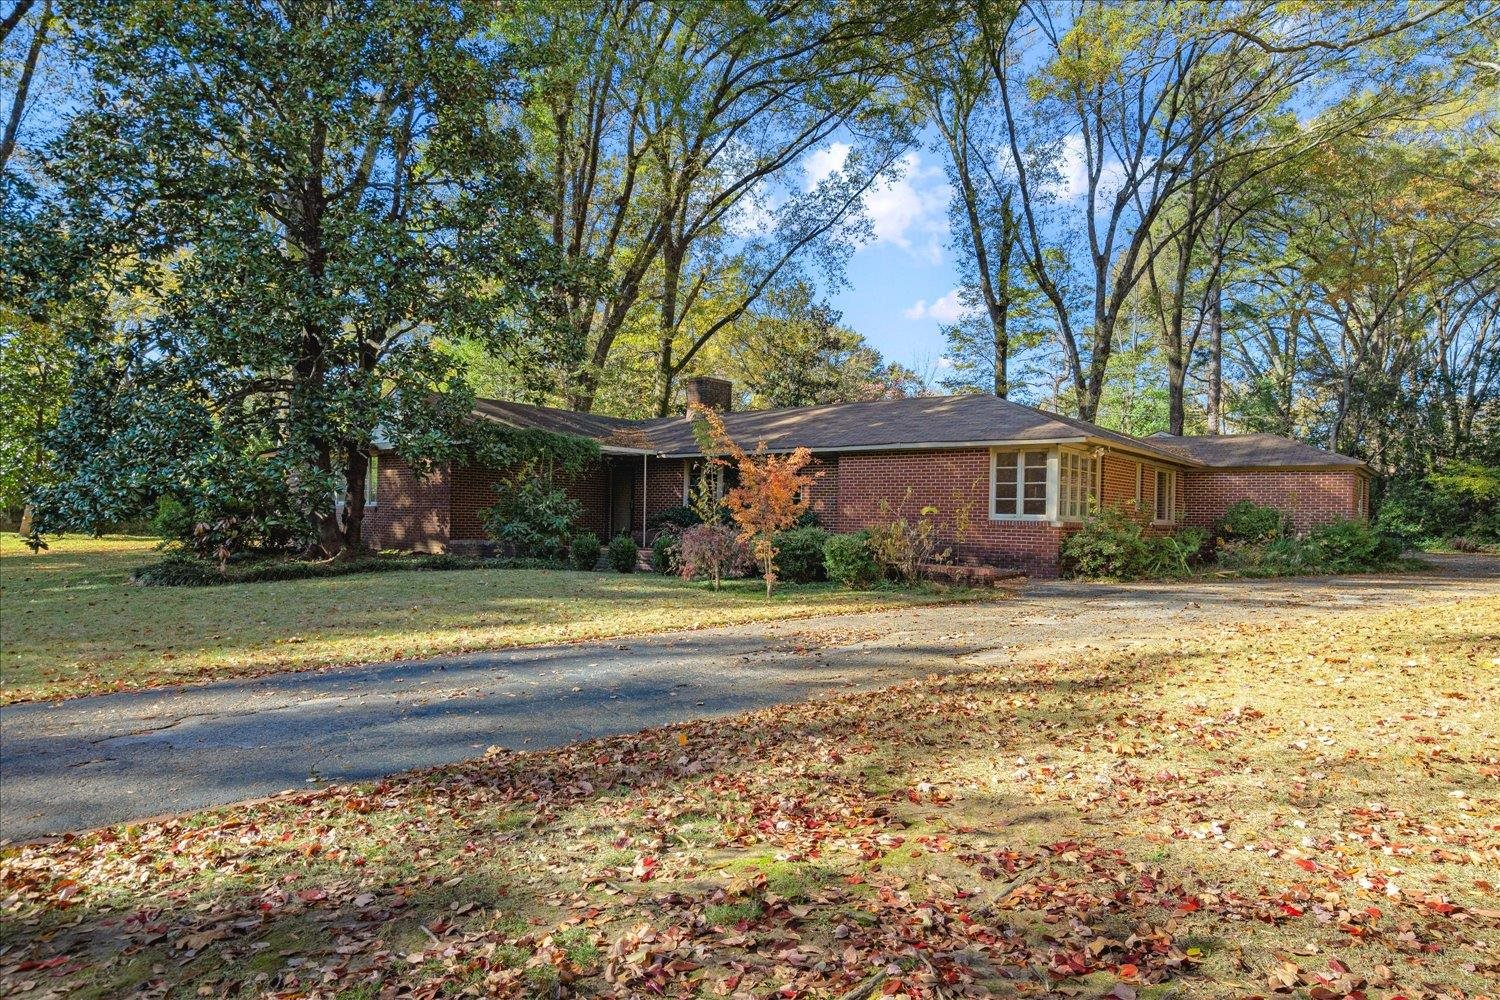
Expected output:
(772, 491)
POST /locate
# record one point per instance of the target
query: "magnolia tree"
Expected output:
(771, 495)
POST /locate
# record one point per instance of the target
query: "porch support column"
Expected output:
(644, 494)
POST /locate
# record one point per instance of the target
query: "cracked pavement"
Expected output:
(88, 762)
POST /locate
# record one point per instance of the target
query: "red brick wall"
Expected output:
(1119, 476)
(1312, 497)
(409, 513)
(473, 491)
(825, 490)
(943, 479)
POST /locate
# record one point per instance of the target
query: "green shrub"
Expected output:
(1173, 556)
(799, 554)
(808, 519)
(533, 516)
(172, 520)
(623, 554)
(664, 552)
(1109, 545)
(1247, 521)
(583, 551)
(1352, 547)
(1336, 547)
(1115, 546)
(677, 517)
(848, 560)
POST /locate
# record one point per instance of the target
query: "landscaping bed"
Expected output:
(1281, 809)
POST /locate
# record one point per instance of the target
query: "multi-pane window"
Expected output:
(1166, 495)
(1077, 485)
(1020, 484)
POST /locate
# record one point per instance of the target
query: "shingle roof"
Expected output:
(618, 432)
(1248, 451)
(895, 423)
(919, 421)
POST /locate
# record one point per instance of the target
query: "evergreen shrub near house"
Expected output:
(583, 551)
(623, 554)
(533, 516)
(1113, 545)
(849, 560)
(664, 552)
(1247, 521)
(1351, 546)
(799, 554)
(676, 517)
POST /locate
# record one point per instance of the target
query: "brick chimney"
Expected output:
(714, 393)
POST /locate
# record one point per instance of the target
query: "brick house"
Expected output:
(1025, 476)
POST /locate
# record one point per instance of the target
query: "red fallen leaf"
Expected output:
(1127, 971)
(1190, 906)
(1290, 910)
(1306, 865)
(1437, 906)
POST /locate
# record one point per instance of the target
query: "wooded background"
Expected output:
(242, 237)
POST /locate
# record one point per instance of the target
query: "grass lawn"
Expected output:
(1278, 809)
(73, 625)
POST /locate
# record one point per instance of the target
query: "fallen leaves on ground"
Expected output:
(1269, 810)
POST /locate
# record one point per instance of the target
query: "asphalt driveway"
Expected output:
(92, 761)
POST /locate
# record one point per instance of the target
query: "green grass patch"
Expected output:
(74, 624)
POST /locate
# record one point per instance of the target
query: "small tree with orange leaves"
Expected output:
(771, 495)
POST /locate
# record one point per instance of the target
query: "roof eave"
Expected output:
(904, 446)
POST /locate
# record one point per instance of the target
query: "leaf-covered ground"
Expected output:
(74, 626)
(1278, 809)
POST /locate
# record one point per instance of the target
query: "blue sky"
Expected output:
(902, 283)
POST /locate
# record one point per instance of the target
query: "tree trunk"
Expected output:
(1215, 360)
(672, 259)
(357, 467)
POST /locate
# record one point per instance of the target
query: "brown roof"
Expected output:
(1250, 451)
(616, 432)
(919, 421)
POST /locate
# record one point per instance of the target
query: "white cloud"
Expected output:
(1073, 180)
(822, 164)
(948, 309)
(907, 206)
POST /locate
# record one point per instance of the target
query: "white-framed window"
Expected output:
(1077, 485)
(1166, 496)
(692, 473)
(1019, 480)
(372, 480)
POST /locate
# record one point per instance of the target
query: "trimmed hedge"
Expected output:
(583, 550)
(799, 554)
(849, 560)
(623, 553)
(190, 571)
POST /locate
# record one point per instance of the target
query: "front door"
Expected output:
(621, 514)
